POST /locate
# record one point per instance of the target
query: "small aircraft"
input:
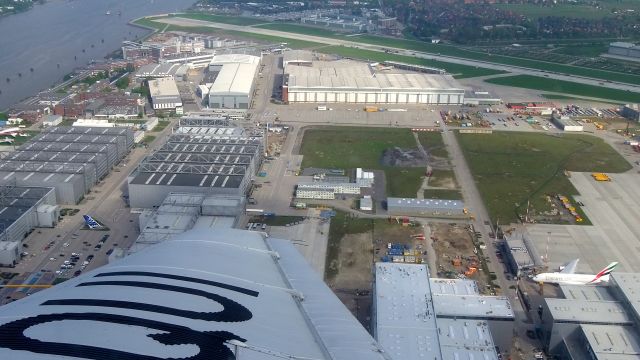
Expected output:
(92, 223)
(568, 276)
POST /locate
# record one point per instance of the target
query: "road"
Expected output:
(423, 55)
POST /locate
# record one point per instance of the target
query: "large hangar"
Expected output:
(346, 81)
(21, 210)
(69, 159)
(197, 159)
(233, 87)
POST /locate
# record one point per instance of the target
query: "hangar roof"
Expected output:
(353, 75)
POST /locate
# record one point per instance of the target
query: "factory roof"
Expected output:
(76, 138)
(234, 79)
(583, 311)
(465, 339)
(209, 130)
(222, 138)
(199, 180)
(565, 121)
(164, 87)
(352, 75)
(68, 147)
(610, 342)
(234, 59)
(110, 131)
(168, 289)
(200, 158)
(453, 286)
(8, 245)
(472, 306)
(405, 319)
(297, 56)
(629, 286)
(211, 148)
(54, 156)
(425, 203)
(157, 70)
(519, 251)
(587, 293)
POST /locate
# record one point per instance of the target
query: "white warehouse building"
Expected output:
(165, 94)
(346, 81)
(233, 87)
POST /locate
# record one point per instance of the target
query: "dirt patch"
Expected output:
(457, 255)
(403, 157)
(443, 179)
(354, 262)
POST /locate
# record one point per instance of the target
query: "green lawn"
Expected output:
(513, 168)
(231, 20)
(567, 87)
(352, 147)
(161, 125)
(592, 50)
(442, 194)
(571, 10)
(458, 71)
(433, 143)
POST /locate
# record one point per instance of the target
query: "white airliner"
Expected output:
(568, 276)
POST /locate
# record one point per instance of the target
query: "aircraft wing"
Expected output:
(570, 268)
(228, 294)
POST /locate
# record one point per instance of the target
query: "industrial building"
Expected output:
(69, 159)
(565, 123)
(233, 87)
(197, 159)
(631, 112)
(346, 81)
(366, 203)
(21, 210)
(165, 94)
(594, 322)
(297, 57)
(325, 190)
(426, 207)
(624, 49)
(51, 120)
(415, 316)
(180, 212)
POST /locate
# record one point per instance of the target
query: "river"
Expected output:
(38, 47)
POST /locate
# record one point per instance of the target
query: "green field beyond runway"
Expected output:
(512, 168)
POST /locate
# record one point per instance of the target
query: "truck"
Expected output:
(322, 108)
(300, 205)
(369, 108)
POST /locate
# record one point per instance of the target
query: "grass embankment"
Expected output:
(513, 168)
(353, 147)
(566, 87)
(442, 194)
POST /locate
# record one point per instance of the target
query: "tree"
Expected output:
(122, 83)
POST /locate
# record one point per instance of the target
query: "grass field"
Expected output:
(442, 194)
(567, 87)
(592, 50)
(458, 71)
(513, 168)
(352, 147)
(571, 10)
(231, 20)
(433, 143)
